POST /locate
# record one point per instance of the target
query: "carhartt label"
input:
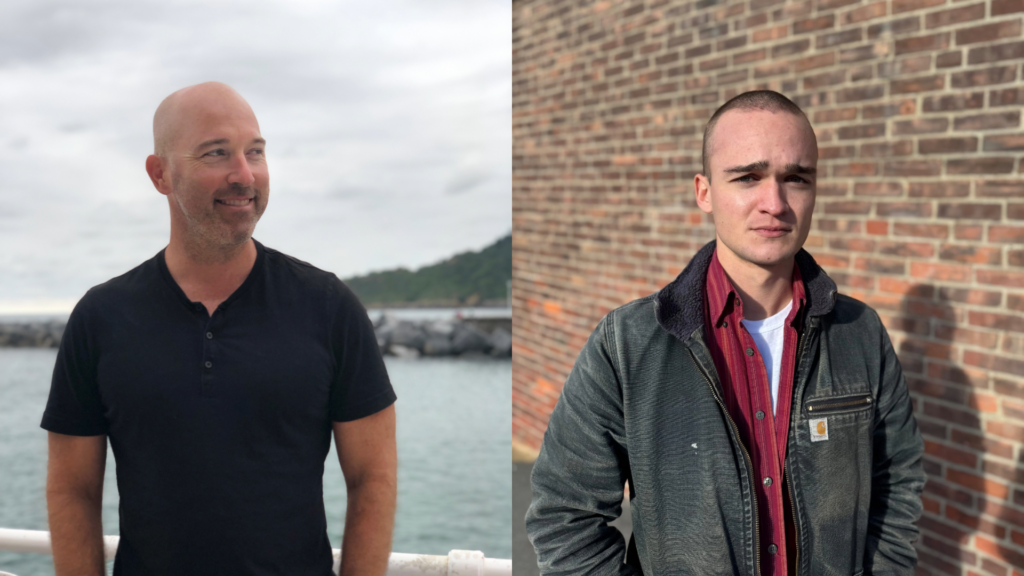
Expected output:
(819, 430)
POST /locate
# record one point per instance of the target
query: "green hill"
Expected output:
(465, 278)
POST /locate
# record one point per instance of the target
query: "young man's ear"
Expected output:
(702, 190)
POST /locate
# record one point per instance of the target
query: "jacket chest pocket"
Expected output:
(818, 407)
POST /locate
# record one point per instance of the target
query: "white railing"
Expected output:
(457, 562)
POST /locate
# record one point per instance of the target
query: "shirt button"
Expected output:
(209, 364)
(767, 481)
(725, 324)
(209, 335)
(759, 415)
(750, 351)
(772, 548)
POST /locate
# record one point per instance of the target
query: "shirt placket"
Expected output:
(207, 381)
(769, 490)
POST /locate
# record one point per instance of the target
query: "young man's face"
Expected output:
(762, 187)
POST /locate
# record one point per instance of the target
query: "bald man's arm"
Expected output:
(74, 497)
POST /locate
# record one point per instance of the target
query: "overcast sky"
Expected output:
(388, 127)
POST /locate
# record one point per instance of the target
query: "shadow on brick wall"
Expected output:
(955, 444)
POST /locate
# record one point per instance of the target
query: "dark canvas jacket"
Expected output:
(643, 404)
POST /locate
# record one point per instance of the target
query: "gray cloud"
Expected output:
(388, 128)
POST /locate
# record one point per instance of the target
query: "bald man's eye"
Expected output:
(217, 152)
(256, 151)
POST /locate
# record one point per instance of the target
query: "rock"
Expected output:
(407, 334)
(501, 343)
(437, 345)
(404, 351)
(466, 339)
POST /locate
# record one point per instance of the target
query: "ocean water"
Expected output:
(454, 475)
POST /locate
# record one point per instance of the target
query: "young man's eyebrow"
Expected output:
(764, 164)
(759, 165)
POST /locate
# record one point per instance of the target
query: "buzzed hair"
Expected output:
(768, 100)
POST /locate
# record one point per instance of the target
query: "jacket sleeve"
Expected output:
(578, 477)
(897, 475)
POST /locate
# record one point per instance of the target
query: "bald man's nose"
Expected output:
(241, 172)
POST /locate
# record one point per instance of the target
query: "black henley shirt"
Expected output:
(219, 424)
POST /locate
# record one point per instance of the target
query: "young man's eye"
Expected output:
(256, 151)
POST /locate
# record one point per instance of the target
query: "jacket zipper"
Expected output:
(750, 463)
(825, 404)
(796, 534)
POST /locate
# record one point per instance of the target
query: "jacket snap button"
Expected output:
(750, 351)
(209, 364)
(767, 481)
(772, 549)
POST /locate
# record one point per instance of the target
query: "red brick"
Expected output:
(911, 209)
(948, 272)
(978, 483)
(1000, 188)
(988, 32)
(967, 296)
(899, 6)
(998, 278)
(939, 189)
(971, 254)
(965, 336)
(980, 166)
(997, 321)
(995, 53)
(999, 551)
(1014, 234)
(1003, 142)
(879, 228)
(814, 24)
(968, 231)
(947, 145)
(948, 59)
(773, 33)
(928, 42)
(921, 230)
(970, 211)
(847, 207)
(920, 126)
(921, 84)
(996, 121)
(868, 12)
(954, 102)
(1000, 7)
(907, 249)
(912, 168)
(886, 149)
(955, 15)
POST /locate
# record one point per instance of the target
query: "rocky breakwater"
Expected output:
(31, 334)
(463, 338)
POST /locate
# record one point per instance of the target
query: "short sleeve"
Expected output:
(74, 406)
(361, 386)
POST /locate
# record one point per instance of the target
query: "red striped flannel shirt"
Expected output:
(746, 392)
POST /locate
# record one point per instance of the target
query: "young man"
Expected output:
(218, 370)
(761, 420)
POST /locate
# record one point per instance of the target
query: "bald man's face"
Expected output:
(762, 188)
(219, 181)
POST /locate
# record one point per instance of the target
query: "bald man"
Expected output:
(218, 370)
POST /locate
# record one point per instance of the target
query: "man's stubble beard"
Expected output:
(208, 236)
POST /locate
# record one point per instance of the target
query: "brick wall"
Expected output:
(917, 109)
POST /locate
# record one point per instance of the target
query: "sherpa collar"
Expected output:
(680, 304)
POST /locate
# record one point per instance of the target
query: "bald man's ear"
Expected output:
(702, 188)
(158, 174)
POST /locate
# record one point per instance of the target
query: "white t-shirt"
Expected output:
(768, 335)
